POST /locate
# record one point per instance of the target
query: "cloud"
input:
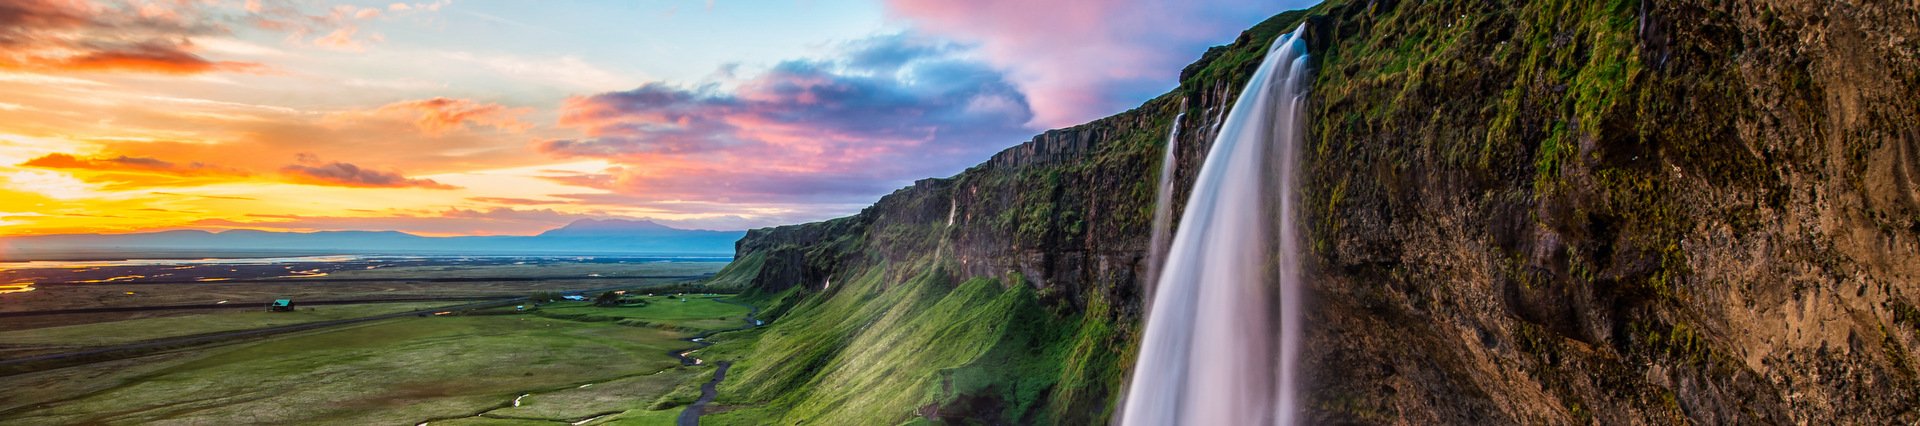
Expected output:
(451, 221)
(570, 72)
(54, 185)
(338, 26)
(158, 36)
(1081, 60)
(340, 39)
(885, 110)
(210, 197)
(125, 163)
(343, 174)
(123, 172)
(51, 35)
(438, 115)
(514, 201)
(425, 135)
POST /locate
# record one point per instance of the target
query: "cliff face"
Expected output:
(1559, 212)
(1617, 212)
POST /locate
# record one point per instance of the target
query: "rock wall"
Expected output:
(1616, 212)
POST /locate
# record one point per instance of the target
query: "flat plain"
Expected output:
(558, 362)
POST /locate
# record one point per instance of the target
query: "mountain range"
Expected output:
(583, 237)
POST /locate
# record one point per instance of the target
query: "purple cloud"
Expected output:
(343, 174)
(884, 111)
(1081, 60)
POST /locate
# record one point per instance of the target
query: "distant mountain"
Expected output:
(584, 237)
(602, 227)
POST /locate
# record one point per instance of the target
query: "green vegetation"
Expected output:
(881, 351)
(820, 366)
(391, 372)
(615, 396)
(537, 270)
(699, 312)
(211, 321)
(563, 362)
(739, 274)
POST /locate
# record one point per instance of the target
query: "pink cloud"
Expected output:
(438, 115)
(131, 164)
(885, 111)
(313, 172)
(496, 221)
(1080, 60)
(338, 26)
(47, 35)
(455, 221)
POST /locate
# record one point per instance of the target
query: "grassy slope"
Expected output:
(730, 278)
(902, 335)
(875, 351)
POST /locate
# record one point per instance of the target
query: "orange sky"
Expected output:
(488, 117)
(122, 116)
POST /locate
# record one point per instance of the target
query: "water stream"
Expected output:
(1163, 203)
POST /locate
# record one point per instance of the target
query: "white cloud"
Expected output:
(565, 71)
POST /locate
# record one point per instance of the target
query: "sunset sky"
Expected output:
(469, 117)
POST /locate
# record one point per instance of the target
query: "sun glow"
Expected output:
(50, 184)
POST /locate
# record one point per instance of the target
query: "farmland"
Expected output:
(510, 363)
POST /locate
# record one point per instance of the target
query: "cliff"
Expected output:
(1558, 212)
(1613, 212)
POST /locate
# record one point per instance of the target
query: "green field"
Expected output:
(134, 330)
(572, 361)
(699, 312)
(543, 270)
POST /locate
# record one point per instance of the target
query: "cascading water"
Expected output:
(1163, 204)
(1210, 355)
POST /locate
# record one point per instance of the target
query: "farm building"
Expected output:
(281, 305)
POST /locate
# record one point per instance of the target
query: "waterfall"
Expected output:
(1223, 328)
(1163, 203)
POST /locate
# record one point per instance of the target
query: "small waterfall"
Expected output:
(1223, 330)
(1163, 203)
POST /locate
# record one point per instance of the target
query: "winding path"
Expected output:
(691, 417)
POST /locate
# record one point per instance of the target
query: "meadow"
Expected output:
(558, 362)
(86, 335)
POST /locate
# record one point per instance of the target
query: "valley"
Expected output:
(502, 360)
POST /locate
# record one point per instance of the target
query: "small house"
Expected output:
(281, 305)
